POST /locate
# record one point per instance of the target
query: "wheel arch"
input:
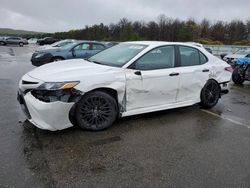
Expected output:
(111, 91)
(207, 82)
(107, 90)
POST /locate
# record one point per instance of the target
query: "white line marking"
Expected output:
(227, 118)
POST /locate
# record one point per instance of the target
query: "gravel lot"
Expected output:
(186, 147)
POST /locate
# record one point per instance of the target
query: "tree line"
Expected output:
(166, 29)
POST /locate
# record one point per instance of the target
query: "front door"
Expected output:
(152, 80)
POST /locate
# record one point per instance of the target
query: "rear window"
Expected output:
(191, 56)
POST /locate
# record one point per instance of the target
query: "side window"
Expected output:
(98, 47)
(203, 58)
(159, 58)
(189, 56)
(84, 46)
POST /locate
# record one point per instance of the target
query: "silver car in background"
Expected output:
(14, 41)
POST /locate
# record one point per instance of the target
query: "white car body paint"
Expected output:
(48, 116)
(153, 90)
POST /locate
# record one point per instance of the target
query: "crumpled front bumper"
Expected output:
(49, 116)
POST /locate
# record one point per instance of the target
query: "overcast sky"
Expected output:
(63, 15)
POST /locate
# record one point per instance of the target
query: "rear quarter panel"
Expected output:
(218, 72)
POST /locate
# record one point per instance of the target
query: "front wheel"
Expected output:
(21, 44)
(237, 76)
(96, 111)
(210, 94)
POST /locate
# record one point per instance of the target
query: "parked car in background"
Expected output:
(32, 41)
(209, 50)
(46, 40)
(2, 40)
(127, 79)
(55, 45)
(14, 41)
(222, 55)
(241, 72)
(232, 58)
(110, 44)
(79, 49)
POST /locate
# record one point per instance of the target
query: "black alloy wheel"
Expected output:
(210, 94)
(96, 111)
(237, 76)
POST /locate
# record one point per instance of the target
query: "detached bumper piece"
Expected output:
(49, 110)
(21, 100)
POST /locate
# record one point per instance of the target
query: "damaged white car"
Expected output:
(127, 79)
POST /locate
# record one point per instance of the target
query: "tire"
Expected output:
(57, 59)
(21, 44)
(96, 111)
(236, 76)
(2, 43)
(210, 94)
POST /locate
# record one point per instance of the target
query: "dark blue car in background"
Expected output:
(74, 50)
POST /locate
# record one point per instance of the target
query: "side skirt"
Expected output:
(158, 108)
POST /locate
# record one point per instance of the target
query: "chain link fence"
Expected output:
(220, 49)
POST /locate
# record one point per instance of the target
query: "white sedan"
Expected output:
(127, 79)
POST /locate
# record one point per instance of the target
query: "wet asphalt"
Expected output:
(186, 147)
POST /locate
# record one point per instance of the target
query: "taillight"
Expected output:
(230, 69)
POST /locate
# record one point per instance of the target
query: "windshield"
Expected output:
(118, 55)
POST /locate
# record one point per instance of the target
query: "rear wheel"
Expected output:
(210, 94)
(96, 111)
(2, 43)
(237, 76)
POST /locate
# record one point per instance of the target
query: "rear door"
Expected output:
(194, 73)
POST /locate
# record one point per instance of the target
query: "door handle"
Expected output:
(205, 70)
(174, 74)
(137, 73)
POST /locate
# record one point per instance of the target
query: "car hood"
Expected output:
(49, 50)
(46, 47)
(71, 70)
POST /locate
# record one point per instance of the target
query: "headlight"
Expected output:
(39, 55)
(57, 85)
